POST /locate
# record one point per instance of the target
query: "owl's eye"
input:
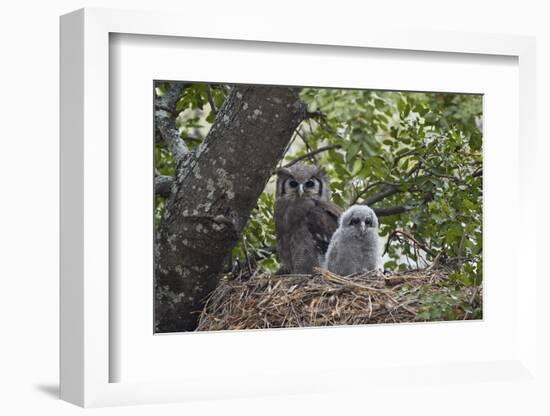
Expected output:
(310, 184)
(355, 221)
(293, 184)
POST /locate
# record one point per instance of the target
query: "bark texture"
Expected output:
(215, 190)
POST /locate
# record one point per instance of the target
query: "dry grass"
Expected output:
(324, 298)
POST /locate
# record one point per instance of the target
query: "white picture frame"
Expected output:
(85, 353)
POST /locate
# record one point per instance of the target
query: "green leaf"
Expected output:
(352, 151)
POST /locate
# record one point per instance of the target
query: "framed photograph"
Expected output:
(281, 213)
(372, 215)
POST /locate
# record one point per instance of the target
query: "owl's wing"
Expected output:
(322, 222)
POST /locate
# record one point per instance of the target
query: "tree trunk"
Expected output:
(215, 190)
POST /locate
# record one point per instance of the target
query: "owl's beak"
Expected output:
(363, 227)
(300, 189)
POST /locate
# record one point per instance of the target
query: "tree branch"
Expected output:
(400, 209)
(163, 185)
(315, 115)
(410, 237)
(306, 142)
(398, 158)
(170, 135)
(168, 100)
(313, 153)
(165, 119)
(211, 100)
(395, 210)
(443, 176)
(386, 191)
(368, 188)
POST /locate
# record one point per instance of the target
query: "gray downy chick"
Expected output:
(355, 245)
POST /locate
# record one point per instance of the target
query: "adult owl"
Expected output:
(305, 219)
(354, 247)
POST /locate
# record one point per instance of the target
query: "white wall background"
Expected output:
(29, 184)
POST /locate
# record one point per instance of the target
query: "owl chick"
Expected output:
(354, 247)
(305, 219)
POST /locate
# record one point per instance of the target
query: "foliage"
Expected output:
(447, 302)
(418, 155)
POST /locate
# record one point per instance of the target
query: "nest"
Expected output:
(325, 299)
